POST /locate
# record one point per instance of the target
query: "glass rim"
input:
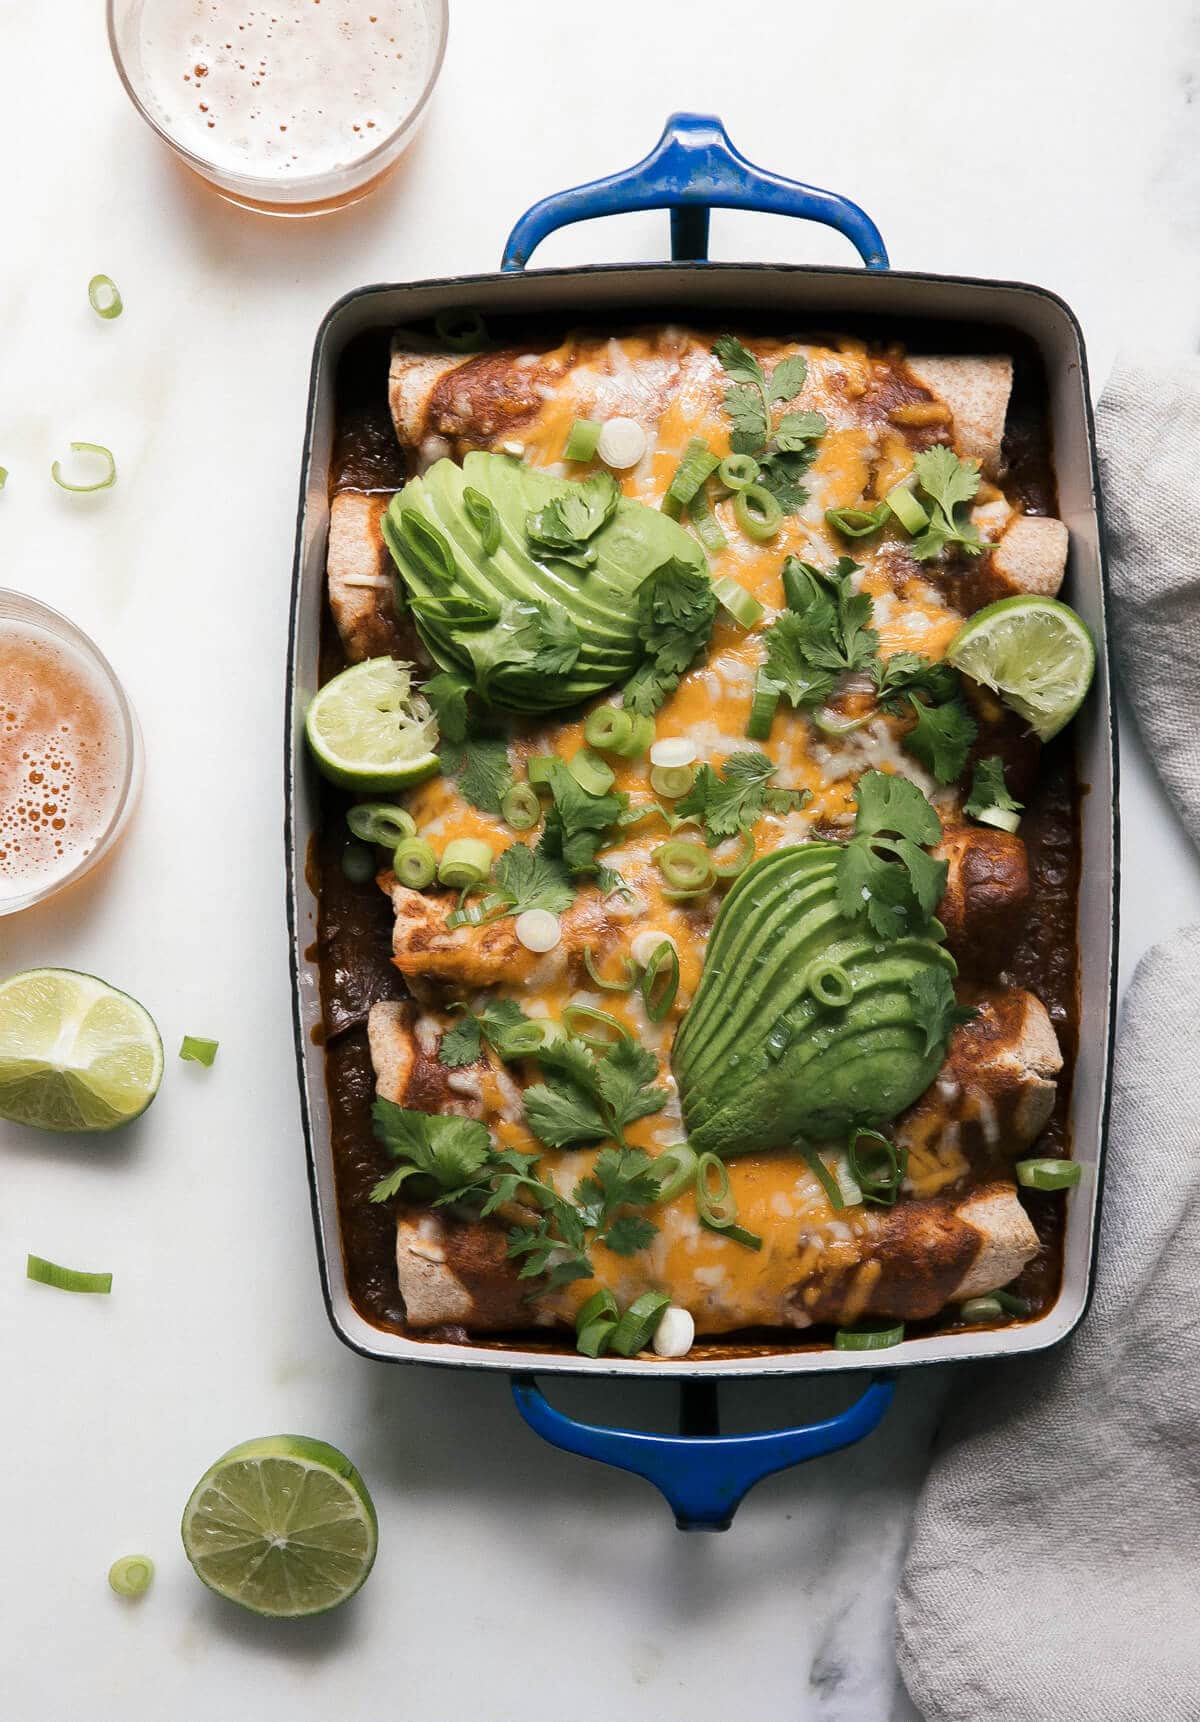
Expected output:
(265, 189)
(24, 607)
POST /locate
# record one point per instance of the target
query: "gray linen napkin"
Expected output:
(1054, 1566)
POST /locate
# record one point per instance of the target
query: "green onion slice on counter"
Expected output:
(684, 865)
(708, 527)
(66, 1279)
(197, 1050)
(746, 611)
(520, 807)
(101, 453)
(132, 1574)
(1048, 1174)
(675, 1168)
(104, 296)
(758, 513)
(672, 780)
(868, 1338)
(583, 1021)
(609, 728)
(583, 439)
(590, 773)
(857, 522)
(3, 476)
(715, 1202)
(697, 464)
(481, 512)
(636, 1327)
(767, 695)
(465, 861)
(628, 978)
(739, 471)
(414, 863)
(907, 509)
(380, 822)
(660, 981)
(830, 985)
(876, 1166)
(462, 331)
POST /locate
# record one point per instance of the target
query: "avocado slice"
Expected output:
(759, 1061)
(599, 600)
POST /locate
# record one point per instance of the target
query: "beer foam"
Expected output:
(62, 758)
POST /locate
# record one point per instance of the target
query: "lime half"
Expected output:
(1035, 653)
(369, 730)
(284, 1526)
(75, 1054)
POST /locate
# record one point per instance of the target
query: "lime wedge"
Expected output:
(1035, 653)
(284, 1526)
(368, 729)
(75, 1054)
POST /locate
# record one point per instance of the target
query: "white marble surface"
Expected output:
(1052, 143)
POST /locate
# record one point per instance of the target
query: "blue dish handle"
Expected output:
(705, 1477)
(692, 169)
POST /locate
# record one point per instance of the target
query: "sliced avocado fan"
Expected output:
(759, 1060)
(532, 632)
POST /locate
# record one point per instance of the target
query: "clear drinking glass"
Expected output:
(291, 108)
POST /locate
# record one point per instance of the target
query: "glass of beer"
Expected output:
(292, 107)
(70, 753)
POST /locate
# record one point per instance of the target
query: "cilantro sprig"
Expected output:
(577, 822)
(937, 1011)
(501, 1024)
(884, 871)
(729, 804)
(989, 791)
(563, 530)
(676, 609)
(948, 484)
(786, 450)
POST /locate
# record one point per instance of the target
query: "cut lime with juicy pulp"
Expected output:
(75, 1054)
(284, 1526)
(369, 730)
(1035, 653)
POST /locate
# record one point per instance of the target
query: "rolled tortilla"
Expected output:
(361, 578)
(485, 955)
(1031, 556)
(987, 888)
(976, 391)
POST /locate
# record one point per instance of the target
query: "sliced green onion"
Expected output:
(746, 611)
(66, 1279)
(1010, 1304)
(104, 297)
(132, 1574)
(757, 512)
(868, 1338)
(697, 464)
(491, 908)
(838, 726)
(414, 863)
(660, 981)
(524, 1039)
(577, 1020)
(427, 545)
(672, 780)
(981, 1309)
(708, 527)
(597, 1337)
(591, 773)
(738, 862)
(1048, 1174)
(481, 512)
(600, 1304)
(767, 695)
(830, 984)
(380, 822)
(1003, 818)
(358, 863)
(455, 611)
(716, 1205)
(857, 522)
(461, 331)
(640, 737)
(684, 865)
(608, 727)
(541, 767)
(628, 979)
(520, 807)
(197, 1050)
(879, 1171)
(738, 471)
(636, 1327)
(825, 1178)
(678, 1165)
(907, 509)
(465, 861)
(3, 476)
(105, 483)
(582, 440)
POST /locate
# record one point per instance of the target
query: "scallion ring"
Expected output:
(746, 610)
(591, 773)
(672, 780)
(583, 439)
(132, 1574)
(65, 1279)
(907, 509)
(104, 296)
(480, 510)
(1048, 1174)
(738, 471)
(740, 860)
(454, 610)
(824, 1177)
(757, 512)
(104, 454)
(878, 1338)
(608, 728)
(640, 737)
(601, 1303)
(660, 981)
(684, 865)
(381, 822)
(636, 1327)
(3, 476)
(981, 1309)
(675, 1168)
(857, 522)
(426, 545)
(198, 1049)
(414, 863)
(595, 1339)
(520, 807)
(829, 984)
(1010, 1304)
(628, 978)
(697, 465)
(708, 527)
(465, 861)
(767, 695)
(540, 769)
(578, 1020)
(462, 331)
(716, 1205)
(879, 1169)
(838, 726)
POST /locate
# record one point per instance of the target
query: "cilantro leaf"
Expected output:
(795, 431)
(562, 1114)
(463, 1043)
(908, 672)
(532, 880)
(824, 633)
(789, 665)
(726, 805)
(676, 609)
(780, 473)
(482, 769)
(620, 1176)
(989, 790)
(942, 737)
(882, 871)
(935, 1007)
(526, 637)
(447, 693)
(787, 454)
(452, 1151)
(787, 379)
(629, 1233)
(577, 822)
(887, 803)
(623, 1082)
(738, 361)
(562, 530)
(947, 482)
